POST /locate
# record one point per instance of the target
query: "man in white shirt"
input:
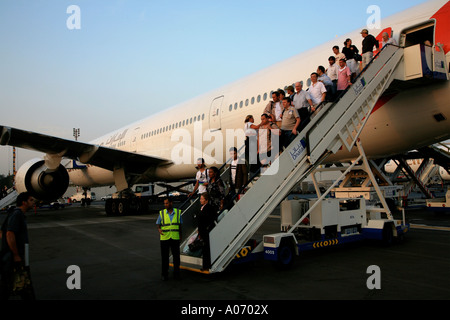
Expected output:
(302, 98)
(333, 73)
(274, 109)
(201, 177)
(337, 54)
(317, 90)
(387, 40)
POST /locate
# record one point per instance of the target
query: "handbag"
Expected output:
(358, 57)
(196, 245)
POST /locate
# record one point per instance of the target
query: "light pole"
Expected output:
(76, 133)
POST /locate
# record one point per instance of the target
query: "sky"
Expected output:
(127, 60)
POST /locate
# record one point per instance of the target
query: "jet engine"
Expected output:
(42, 182)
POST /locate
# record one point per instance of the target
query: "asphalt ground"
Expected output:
(119, 259)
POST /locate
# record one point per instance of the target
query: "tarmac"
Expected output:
(119, 259)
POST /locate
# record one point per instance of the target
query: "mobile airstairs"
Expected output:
(8, 200)
(335, 126)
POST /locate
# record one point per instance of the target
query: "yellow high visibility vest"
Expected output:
(170, 229)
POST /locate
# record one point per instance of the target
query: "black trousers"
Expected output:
(174, 246)
(206, 252)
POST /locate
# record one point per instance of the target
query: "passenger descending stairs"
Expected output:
(336, 125)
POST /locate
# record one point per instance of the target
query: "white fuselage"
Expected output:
(403, 123)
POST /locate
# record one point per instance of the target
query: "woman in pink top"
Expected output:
(344, 75)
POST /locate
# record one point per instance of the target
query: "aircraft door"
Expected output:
(215, 114)
(134, 139)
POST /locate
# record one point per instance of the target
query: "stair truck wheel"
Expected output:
(286, 254)
(388, 234)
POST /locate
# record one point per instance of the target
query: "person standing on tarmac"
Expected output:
(15, 273)
(169, 227)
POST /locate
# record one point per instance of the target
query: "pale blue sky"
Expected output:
(131, 59)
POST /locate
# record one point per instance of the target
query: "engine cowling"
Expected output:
(43, 183)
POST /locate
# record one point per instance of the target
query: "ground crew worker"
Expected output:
(169, 227)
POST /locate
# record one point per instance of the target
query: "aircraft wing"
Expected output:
(99, 156)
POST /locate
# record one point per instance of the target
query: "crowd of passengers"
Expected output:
(287, 114)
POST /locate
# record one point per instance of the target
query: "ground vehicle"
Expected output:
(80, 195)
(135, 200)
(332, 222)
(438, 205)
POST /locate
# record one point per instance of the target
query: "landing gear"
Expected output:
(125, 206)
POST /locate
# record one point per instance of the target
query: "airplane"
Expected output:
(413, 160)
(391, 167)
(166, 145)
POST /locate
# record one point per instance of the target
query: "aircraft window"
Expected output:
(241, 104)
(183, 122)
(231, 107)
(265, 97)
(195, 119)
(308, 82)
(253, 100)
(246, 102)
(157, 131)
(198, 117)
(190, 122)
(203, 116)
(235, 106)
(259, 98)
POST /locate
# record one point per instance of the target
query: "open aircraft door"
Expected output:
(215, 114)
